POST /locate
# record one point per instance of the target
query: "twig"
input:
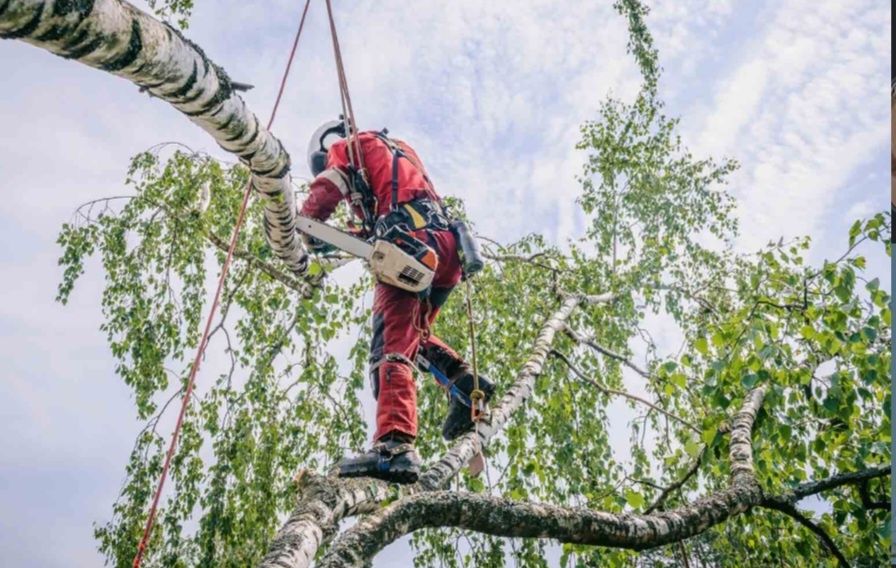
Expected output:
(579, 338)
(791, 511)
(610, 391)
(678, 484)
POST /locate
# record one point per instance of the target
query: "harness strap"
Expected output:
(397, 153)
(390, 358)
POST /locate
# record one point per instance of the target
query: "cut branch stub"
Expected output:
(116, 37)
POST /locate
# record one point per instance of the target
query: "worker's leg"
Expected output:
(396, 337)
(394, 344)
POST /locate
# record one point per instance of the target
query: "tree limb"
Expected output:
(853, 478)
(302, 287)
(678, 484)
(610, 391)
(868, 502)
(503, 517)
(791, 511)
(324, 501)
(579, 338)
(116, 37)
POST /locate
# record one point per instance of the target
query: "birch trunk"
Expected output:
(116, 37)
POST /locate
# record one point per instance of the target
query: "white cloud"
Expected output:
(799, 113)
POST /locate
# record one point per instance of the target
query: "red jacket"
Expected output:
(332, 185)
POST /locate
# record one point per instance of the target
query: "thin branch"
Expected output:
(579, 338)
(678, 484)
(303, 288)
(814, 487)
(519, 258)
(610, 391)
(829, 544)
(869, 503)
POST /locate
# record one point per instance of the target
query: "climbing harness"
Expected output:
(203, 343)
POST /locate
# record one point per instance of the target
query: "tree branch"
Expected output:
(503, 517)
(520, 258)
(579, 338)
(116, 37)
(610, 391)
(814, 487)
(324, 501)
(868, 502)
(678, 484)
(302, 287)
(829, 544)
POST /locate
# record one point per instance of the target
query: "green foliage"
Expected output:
(178, 10)
(278, 399)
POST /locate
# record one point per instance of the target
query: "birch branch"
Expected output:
(324, 501)
(614, 392)
(116, 37)
(502, 517)
(791, 511)
(579, 338)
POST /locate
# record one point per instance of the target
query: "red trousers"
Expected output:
(401, 324)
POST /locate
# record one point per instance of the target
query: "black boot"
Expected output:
(459, 420)
(391, 459)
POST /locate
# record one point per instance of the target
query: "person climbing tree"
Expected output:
(387, 186)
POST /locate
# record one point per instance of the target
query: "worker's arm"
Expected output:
(330, 187)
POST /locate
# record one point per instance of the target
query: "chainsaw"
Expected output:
(395, 258)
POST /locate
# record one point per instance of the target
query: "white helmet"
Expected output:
(324, 137)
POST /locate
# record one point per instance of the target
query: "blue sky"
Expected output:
(491, 95)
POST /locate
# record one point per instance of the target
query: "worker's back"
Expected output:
(379, 160)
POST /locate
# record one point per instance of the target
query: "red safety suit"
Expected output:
(401, 319)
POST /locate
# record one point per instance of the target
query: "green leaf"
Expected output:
(749, 380)
(634, 499)
(692, 448)
(701, 345)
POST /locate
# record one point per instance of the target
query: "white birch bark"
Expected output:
(116, 37)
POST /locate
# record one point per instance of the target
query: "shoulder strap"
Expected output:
(397, 153)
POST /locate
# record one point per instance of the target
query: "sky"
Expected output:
(491, 95)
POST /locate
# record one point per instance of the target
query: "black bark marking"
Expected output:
(85, 49)
(182, 91)
(29, 26)
(65, 7)
(254, 136)
(154, 84)
(237, 134)
(227, 122)
(276, 172)
(135, 46)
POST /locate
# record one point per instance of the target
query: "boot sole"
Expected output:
(394, 476)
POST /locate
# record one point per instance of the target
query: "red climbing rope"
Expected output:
(354, 146)
(200, 351)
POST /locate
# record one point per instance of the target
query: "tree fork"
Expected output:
(503, 517)
(324, 501)
(116, 37)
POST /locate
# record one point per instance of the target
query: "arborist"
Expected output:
(387, 187)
